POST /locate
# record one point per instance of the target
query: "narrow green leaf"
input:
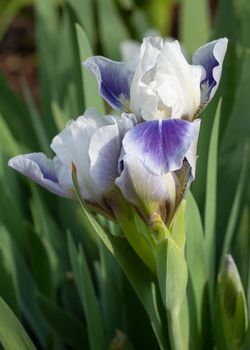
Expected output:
(8, 141)
(87, 296)
(16, 115)
(36, 120)
(111, 289)
(90, 88)
(210, 204)
(237, 203)
(40, 263)
(198, 271)
(12, 334)
(67, 327)
(172, 275)
(141, 278)
(112, 32)
(59, 116)
(84, 11)
(190, 37)
(8, 286)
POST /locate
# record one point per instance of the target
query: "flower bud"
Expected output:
(231, 306)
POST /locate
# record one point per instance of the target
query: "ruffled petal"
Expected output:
(72, 145)
(104, 152)
(114, 79)
(144, 99)
(211, 57)
(177, 82)
(41, 170)
(160, 144)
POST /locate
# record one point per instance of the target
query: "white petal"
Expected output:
(130, 50)
(41, 170)
(72, 145)
(104, 152)
(177, 82)
(192, 151)
(150, 49)
(139, 185)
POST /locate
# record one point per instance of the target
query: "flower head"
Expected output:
(93, 144)
(157, 165)
(161, 83)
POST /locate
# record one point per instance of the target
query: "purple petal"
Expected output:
(40, 169)
(211, 57)
(114, 79)
(160, 144)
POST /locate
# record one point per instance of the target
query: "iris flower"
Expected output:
(161, 83)
(149, 152)
(93, 144)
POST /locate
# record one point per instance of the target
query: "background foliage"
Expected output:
(60, 286)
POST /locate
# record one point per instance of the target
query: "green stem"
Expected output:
(178, 328)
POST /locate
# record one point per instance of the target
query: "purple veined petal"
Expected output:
(210, 57)
(114, 80)
(160, 144)
(40, 169)
(139, 185)
(104, 152)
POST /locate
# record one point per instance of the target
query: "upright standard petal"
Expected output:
(41, 170)
(210, 57)
(177, 82)
(114, 79)
(160, 144)
(144, 99)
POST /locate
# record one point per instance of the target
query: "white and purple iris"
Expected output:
(149, 152)
(161, 83)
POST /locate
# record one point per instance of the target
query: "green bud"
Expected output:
(231, 307)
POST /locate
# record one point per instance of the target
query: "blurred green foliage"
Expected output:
(60, 286)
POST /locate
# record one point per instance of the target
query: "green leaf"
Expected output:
(112, 32)
(198, 272)
(16, 115)
(8, 287)
(190, 37)
(111, 290)
(59, 116)
(12, 334)
(210, 204)
(237, 203)
(36, 120)
(67, 327)
(88, 298)
(172, 275)
(84, 11)
(8, 141)
(90, 88)
(141, 278)
(40, 263)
